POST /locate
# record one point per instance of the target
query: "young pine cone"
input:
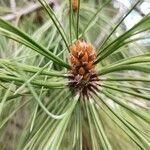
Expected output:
(83, 56)
(83, 75)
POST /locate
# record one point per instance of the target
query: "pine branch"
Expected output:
(30, 8)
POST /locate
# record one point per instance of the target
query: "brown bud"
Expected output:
(75, 5)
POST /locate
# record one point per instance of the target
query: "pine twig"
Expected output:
(31, 7)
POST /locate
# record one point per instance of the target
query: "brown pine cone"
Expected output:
(83, 75)
(83, 56)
